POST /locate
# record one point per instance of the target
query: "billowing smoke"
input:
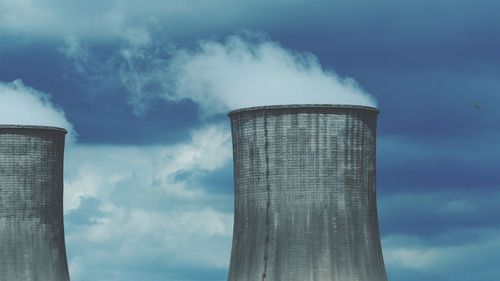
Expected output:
(23, 105)
(243, 73)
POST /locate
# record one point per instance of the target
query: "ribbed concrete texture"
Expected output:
(305, 206)
(31, 211)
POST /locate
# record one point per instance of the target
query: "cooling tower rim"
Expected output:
(304, 106)
(33, 127)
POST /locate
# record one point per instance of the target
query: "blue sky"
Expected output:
(144, 87)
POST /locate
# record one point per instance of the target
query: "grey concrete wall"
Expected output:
(31, 212)
(305, 204)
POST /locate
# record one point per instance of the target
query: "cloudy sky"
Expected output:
(144, 87)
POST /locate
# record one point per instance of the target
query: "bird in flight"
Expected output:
(476, 106)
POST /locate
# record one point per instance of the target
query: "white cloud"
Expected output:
(126, 242)
(75, 267)
(412, 258)
(149, 206)
(23, 105)
(188, 237)
(99, 170)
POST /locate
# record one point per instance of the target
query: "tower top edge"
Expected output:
(31, 127)
(304, 106)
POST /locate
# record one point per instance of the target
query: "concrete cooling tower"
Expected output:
(31, 212)
(305, 206)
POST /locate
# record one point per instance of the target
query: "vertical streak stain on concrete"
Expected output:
(268, 204)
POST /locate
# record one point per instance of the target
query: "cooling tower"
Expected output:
(31, 211)
(305, 206)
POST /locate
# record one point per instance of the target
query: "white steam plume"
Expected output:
(23, 105)
(239, 73)
(242, 71)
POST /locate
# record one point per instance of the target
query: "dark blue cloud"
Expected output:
(436, 215)
(429, 163)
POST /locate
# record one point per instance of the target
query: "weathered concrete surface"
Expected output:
(305, 206)
(32, 244)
